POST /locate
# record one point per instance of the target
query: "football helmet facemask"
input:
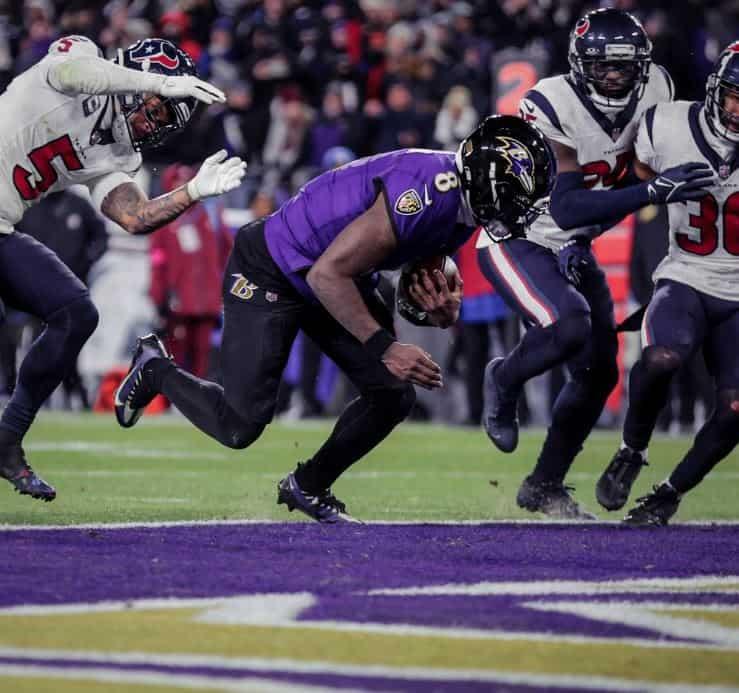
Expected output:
(723, 82)
(506, 170)
(609, 56)
(148, 119)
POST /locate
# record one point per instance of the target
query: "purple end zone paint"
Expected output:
(340, 564)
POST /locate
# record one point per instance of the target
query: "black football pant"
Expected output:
(260, 325)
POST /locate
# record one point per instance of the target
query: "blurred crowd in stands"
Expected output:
(312, 85)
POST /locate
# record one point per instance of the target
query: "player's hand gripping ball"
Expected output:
(430, 292)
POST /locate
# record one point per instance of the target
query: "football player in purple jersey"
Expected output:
(312, 264)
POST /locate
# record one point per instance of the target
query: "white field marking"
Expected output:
(106, 473)
(276, 665)
(391, 523)
(139, 499)
(155, 678)
(697, 583)
(360, 474)
(118, 450)
(642, 615)
(259, 609)
(284, 608)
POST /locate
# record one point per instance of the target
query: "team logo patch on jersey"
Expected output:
(408, 203)
(520, 161)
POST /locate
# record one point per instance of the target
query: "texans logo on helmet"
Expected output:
(520, 161)
(161, 53)
(734, 47)
(582, 26)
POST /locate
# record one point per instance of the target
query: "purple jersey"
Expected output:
(423, 200)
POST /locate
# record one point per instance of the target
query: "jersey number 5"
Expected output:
(46, 174)
(705, 222)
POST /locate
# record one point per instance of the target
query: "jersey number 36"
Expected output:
(46, 174)
(706, 223)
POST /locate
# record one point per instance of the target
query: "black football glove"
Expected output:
(573, 257)
(680, 183)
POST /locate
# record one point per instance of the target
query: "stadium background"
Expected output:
(311, 85)
(165, 564)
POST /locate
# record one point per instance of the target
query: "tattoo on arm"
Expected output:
(128, 206)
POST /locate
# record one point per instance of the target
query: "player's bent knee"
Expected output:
(573, 331)
(238, 437)
(660, 360)
(727, 413)
(76, 321)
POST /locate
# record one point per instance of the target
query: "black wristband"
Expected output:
(378, 343)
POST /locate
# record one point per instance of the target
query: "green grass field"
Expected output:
(164, 469)
(290, 605)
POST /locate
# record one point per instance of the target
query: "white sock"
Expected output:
(642, 453)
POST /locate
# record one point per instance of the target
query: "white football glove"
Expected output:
(184, 86)
(217, 176)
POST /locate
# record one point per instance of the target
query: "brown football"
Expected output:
(405, 304)
(440, 262)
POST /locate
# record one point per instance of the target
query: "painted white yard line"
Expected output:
(578, 587)
(369, 523)
(369, 671)
(103, 674)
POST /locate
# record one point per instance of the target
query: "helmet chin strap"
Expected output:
(119, 127)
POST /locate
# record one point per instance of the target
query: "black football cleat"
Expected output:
(654, 509)
(134, 393)
(324, 507)
(551, 498)
(614, 485)
(500, 414)
(15, 468)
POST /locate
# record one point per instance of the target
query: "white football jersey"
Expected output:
(704, 236)
(604, 147)
(50, 141)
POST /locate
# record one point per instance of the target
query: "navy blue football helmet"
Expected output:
(506, 170)
(169, 115)
(606, 41)
(724, 79)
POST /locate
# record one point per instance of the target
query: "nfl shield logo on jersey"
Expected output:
(724, 171)
(408, 203)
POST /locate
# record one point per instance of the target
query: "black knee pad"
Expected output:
(659, 361)
(573, 331)
(394, 402)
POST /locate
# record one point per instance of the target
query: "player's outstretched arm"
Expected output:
(572, 205)
(87, 74)
(357, 250)
(128, 205)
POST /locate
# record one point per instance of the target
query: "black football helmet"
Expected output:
(606, 41)
(724, 79)
(506, 170)
(171, 115)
